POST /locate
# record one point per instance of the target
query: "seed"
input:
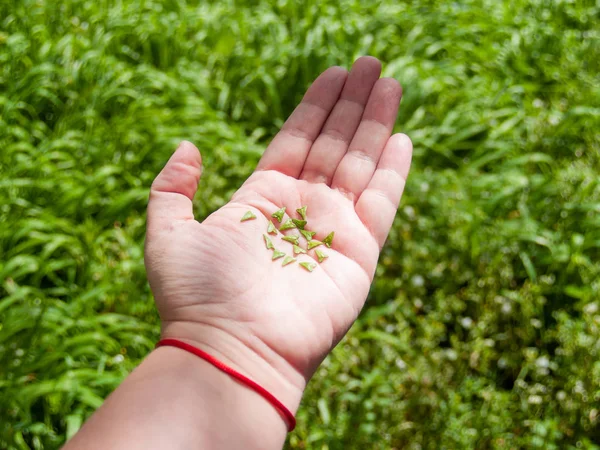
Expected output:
(308, 235)
(292, 238)
(287, 260)
(321, 255)
(288, 225)
(308, 266)
(279, 214)
(277, 254)
(314, 243)
(300, 224)
(271, 228)
(298, 249)
(248, 216)
(302, 212)
(329, 239)
(268, 242)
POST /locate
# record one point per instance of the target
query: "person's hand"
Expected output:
(215, 283)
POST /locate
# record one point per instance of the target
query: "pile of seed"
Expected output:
(294, 239)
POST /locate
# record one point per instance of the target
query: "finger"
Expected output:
(287, 152)
(378, 203)
(173, 189)
(331, 145)
(357, 166)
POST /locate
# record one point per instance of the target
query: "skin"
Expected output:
(217, 288)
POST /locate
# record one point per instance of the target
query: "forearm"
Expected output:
(175, 400)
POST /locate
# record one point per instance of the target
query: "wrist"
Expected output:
(254, 360)
(177, 400)
(228, 414)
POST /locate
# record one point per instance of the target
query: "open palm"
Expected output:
(215, 282)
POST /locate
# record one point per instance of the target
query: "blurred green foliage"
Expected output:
(482, 329)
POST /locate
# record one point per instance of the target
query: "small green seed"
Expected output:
(293, 238)
(314, 243)
(321, 255)
(248, 216)
(302, 212)
(277, 254)
(287, 260)
(279, 214)
(271, 228)
(298, 249)
(268, 242)
(308, 235)
(308, 266)
(329, 239)
(288, 224)
(300, 224)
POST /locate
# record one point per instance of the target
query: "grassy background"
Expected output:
(482, 329)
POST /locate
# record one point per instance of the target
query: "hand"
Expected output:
(215, 283)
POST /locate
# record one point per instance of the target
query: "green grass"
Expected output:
(482, 329)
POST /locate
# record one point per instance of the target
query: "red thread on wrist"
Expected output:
(286, 413)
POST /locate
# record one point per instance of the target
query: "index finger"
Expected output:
(289, 149)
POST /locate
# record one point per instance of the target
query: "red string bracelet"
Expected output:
(286, 413)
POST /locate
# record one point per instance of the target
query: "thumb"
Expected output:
(173, 189)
